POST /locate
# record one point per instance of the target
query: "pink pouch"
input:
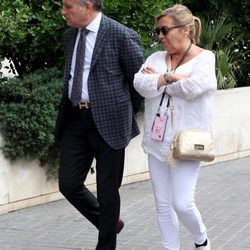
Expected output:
(159, 126)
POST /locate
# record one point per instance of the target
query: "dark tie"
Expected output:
(77, 81)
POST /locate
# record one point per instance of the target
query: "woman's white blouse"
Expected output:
(192, 98)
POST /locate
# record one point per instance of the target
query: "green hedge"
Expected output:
(139, 15)
(28, 109)
(30, 31)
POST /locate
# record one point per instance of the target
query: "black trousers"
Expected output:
(81, 143)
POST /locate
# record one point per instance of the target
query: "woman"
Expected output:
(186, 73)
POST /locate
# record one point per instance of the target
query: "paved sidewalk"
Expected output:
(223, 197)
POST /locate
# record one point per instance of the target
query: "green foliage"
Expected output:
(238, 12)
(216, 36)
(149, 51)
(28, 109)
(225, 69)
(139, 15)
(30, 31)
(30, 34)
(215, 32)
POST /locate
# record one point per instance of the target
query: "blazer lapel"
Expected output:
(100, 40)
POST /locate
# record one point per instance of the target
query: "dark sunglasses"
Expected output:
(165, 29)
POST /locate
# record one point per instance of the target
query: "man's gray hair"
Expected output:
(98, 4)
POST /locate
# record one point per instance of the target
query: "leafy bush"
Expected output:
(28, 109)
(139, 15)
(238, 14)
(30, 34)
(30, 31)
(216, 36)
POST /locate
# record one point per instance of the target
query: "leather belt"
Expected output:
(83, 105)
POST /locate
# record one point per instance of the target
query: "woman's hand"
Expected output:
(172, 77)
(161, 81)
(148, 70)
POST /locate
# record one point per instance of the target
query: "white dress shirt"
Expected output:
(93, 28)
(192, 98)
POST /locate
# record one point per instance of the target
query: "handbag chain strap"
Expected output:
(170, 100)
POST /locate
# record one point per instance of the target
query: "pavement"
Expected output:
(222, 196)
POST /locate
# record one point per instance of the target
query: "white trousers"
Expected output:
(174, 189)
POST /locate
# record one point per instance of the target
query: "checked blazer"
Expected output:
(117, 56)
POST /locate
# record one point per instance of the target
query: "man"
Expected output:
(96, 117)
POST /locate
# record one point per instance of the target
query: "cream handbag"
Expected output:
(193, 145)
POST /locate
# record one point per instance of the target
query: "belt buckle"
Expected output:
(83, 105)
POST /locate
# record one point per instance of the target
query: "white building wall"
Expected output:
(24, 183)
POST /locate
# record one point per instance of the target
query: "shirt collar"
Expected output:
(95, 24)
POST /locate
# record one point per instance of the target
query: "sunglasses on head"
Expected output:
(165, 29)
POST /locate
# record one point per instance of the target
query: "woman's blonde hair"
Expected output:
(183, 16)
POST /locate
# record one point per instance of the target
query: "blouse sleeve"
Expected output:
(146, 84)
(201, 80)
